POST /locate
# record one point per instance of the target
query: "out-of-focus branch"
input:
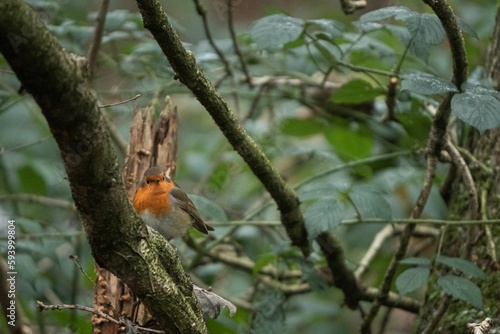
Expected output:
(95, 45)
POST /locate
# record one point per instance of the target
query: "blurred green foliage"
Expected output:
(324, 142)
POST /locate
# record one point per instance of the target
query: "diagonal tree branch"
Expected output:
(188, 72)
(119, 240)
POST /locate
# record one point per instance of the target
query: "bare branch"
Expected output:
(97, 38)
(236, 48)
(29, 198)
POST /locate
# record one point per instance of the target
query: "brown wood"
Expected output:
(151, 143)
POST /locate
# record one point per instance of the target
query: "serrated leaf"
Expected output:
(270, 314)
(477, 106)
(412, 279)
(463, 289)
(418, 261)
(420, 49)
(467, 267)
(426, 28)
(371, 204)
(317, 190)
(399, 12)
(424, 83)
(322, 216)
(356, 91)
(400, 32)
(208, 209)
(332, 27)
(312, 276)
(368, 26)
(465, 27)
(275, 30)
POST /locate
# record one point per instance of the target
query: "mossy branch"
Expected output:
(118, 238)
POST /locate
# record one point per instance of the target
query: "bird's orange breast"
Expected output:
(153, 197)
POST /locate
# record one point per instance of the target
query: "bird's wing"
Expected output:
(187, 205)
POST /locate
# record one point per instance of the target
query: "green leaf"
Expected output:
(356, 91)
(325, 52)
(351, 142)
(317, 190)
(399, 12)
(418, 261)
(416, 124)
(477, 106)
(412, 279)
(275, 30)
(322, 216)
(462, 289)
(424, 83)
(301, 127)
(426, 28)
(31, 181)
(371, 204)
(332, 27)
(467, 267)
(208, 209)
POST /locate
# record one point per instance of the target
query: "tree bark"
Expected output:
(119, 240)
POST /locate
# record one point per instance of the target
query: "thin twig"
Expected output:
(19, 147)
(114, 133)
(52, 202)
(97, 38)
(437, 315)
(236, 48)
(365, 161)
(372, 251)
(76, 261)
(490, 242)
(43, 307)
(437, 222)
(464, 170)
(357, 68)
(121, 102)
(203, 14)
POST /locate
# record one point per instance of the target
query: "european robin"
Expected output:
(163, 206)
